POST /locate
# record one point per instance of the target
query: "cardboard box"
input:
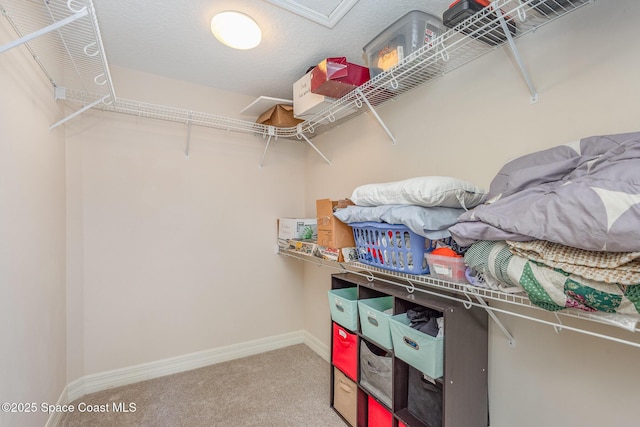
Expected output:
(280, 115)
(332, 232)
(335, 77)
(307, 104)
(297, 228)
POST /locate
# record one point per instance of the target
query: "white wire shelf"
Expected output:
(64, 40)
(161, 112)
(476, 296)
(479, 34)
(85, 73)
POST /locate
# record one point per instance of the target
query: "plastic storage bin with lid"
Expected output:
(445, 264)
(485, 28)
(411, 32)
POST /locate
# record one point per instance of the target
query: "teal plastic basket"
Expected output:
(343, 304)
(422, 351)
(374, 322)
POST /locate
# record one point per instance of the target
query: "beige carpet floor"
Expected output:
(285, 387)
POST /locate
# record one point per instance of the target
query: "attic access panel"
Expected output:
(330, 13)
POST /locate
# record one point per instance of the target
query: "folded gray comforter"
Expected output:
(585, 195)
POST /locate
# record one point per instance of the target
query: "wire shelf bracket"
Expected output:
(375, 114)
(514, 49)
(271, 131)
(78, 112)
(189, 124)
(511, 341)
(303, 136)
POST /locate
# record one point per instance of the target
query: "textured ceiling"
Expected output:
(173, 39)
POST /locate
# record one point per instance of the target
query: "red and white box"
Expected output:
(335, 77)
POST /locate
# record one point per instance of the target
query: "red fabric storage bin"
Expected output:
(379, 416)
(401, 424)
(345, 351)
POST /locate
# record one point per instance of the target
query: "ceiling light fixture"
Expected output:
(236, 30)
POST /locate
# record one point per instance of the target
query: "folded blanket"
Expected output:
(552, 289)
(608, 267)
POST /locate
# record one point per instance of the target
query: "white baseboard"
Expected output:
(318, 346)
(55, 417)
(146, 371)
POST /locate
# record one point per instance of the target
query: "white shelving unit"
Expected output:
(517, 305)
(72, 56)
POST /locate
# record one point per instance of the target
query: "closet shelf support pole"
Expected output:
(375, 114)
(312, 146)
(498, 322)
(516, 54)
(44, 30)
(271, 130)
(189, 124)
(77, 113)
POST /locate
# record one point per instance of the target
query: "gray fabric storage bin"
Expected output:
(425, 399)
(376, 373)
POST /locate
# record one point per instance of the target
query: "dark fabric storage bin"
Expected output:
(425, 399)
(376, 372)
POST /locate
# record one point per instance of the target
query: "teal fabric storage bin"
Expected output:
(374, 322)
(422, 351)
(343, 304)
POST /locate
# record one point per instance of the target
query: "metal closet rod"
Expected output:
(558, 326)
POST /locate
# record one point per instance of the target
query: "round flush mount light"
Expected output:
(236, 30)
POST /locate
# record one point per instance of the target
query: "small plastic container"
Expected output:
(411, 32)
(447, 268)
(343, 304)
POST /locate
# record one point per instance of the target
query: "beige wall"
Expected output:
(467, 124)
(176, 255)
(32, 238)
